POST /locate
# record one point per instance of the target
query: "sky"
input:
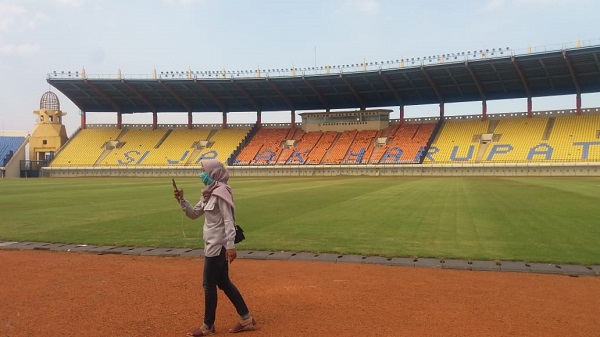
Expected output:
(38, 37)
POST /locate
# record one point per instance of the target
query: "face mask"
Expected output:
(206, 179)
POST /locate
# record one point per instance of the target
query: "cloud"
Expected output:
(34, 21)
(546, 2)
(179, 2)
(350, 9)
(492, 5)
(72, 3)
(97, 56)
(18, 18)
(368, 6)
(360, 7)
(9, 15)
(24, 49)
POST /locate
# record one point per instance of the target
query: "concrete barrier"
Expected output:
(502, 170)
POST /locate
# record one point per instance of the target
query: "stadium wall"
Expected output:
(517, 169)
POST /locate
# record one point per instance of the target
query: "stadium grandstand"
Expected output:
(346, 126)
(12, 152)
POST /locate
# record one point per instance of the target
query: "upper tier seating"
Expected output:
(565, 138)
(306, 141)
(340, 147)
(361, 149)
(136, 144)
(8, 146)
(318, 152)
(223, 143)
(576, 138)
(85, 148)
(411, 140)
(268, 146)
(457, 142)
(148, 147)
(516, 140)
(264, 147)
(180, 147)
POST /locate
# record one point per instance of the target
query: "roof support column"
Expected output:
(529, 107)
(436, 90)
(119, 120)
(258, 118)
(401, 114)
(82, 113)
(293, 119)
(190, 121)
(575, 81)
(483, 111)
(154, 120)
(224, 126)
(480, 89)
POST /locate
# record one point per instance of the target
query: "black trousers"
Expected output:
(216, 274)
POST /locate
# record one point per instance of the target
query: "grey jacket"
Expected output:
(219, 225)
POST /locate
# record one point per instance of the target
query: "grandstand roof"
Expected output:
(561, 72)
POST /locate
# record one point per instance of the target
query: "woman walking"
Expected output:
(217, 206)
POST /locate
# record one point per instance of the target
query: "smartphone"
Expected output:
(174, 185)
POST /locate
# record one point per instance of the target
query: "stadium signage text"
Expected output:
(542, 151)
(498, 150)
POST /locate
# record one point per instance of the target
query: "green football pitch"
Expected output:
(536, 219)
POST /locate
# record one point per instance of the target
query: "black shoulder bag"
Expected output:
(239, 234)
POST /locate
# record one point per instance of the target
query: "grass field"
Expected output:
(486, 218)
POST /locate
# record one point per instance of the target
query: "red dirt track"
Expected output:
(45, 293)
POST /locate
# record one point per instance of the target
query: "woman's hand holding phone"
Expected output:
(177, 193)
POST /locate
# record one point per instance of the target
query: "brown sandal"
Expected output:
(244, 325)
(201, 331)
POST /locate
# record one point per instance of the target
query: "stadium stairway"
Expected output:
(456, 264)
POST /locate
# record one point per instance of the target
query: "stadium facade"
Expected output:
(344, 109)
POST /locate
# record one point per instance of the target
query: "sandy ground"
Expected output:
(46, 293)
